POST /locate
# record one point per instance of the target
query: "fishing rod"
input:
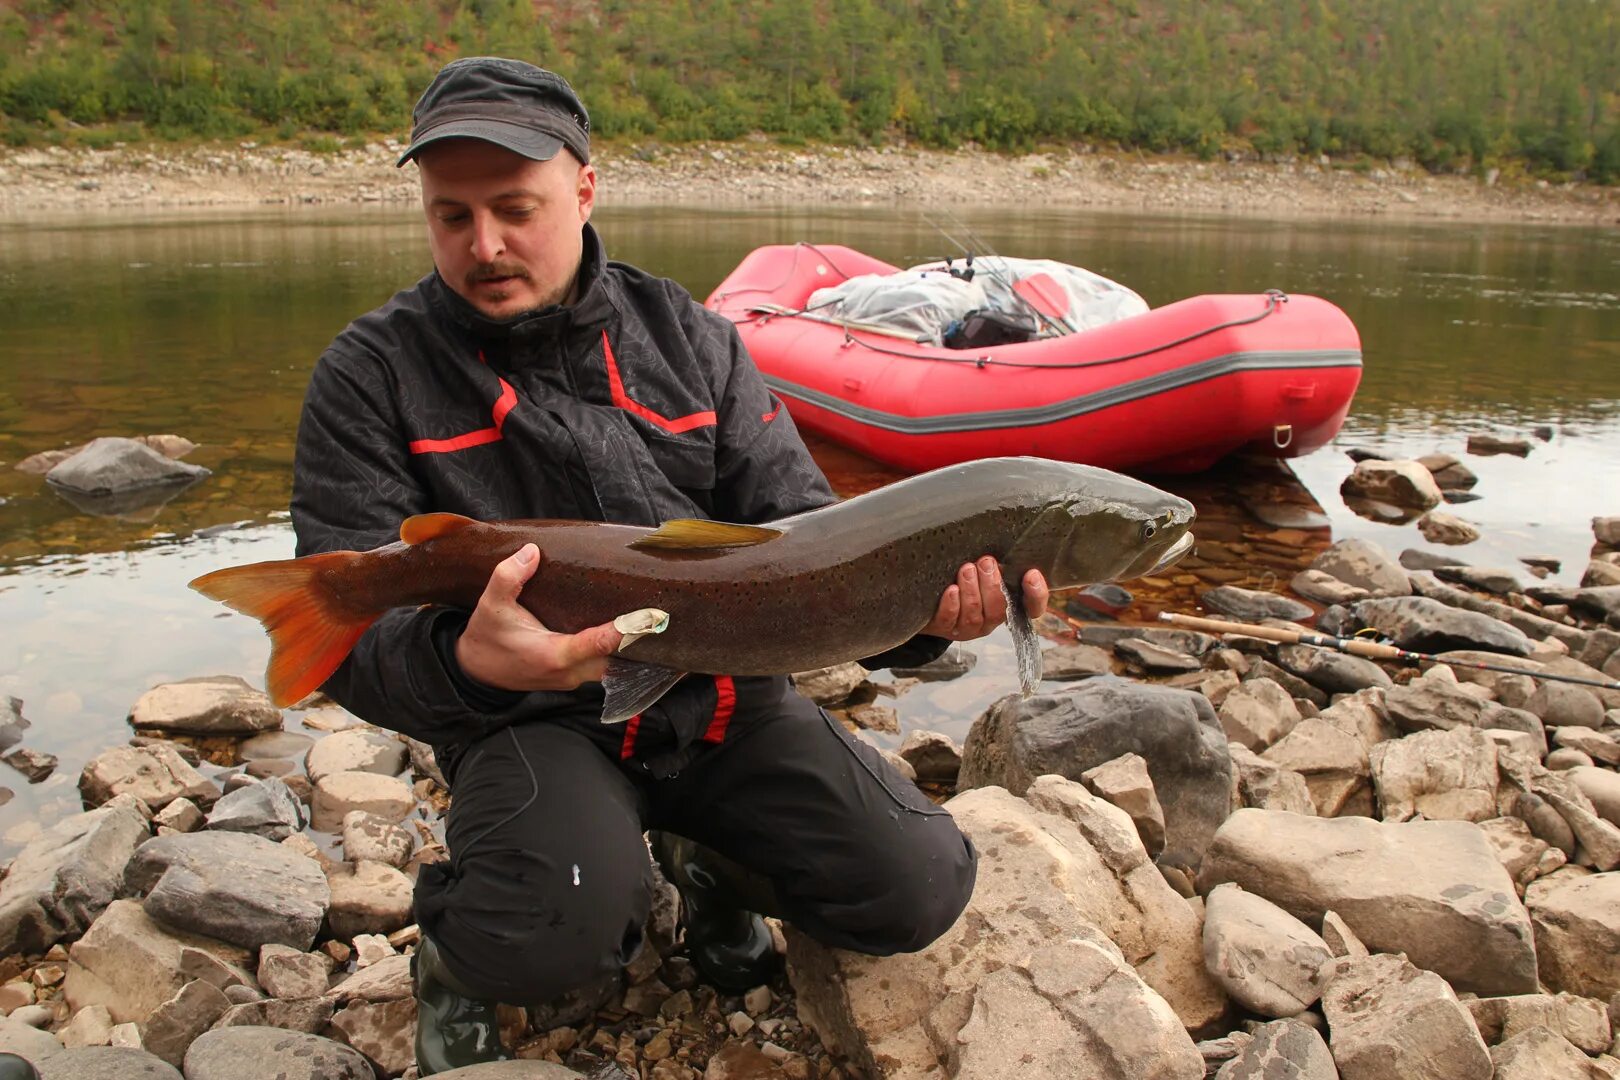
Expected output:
(1358, 647)
(1062, 324)
(1058, 325)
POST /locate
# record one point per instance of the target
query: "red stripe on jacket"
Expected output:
(635, 408)
(503, 405)
(725, 704)
(629, 746)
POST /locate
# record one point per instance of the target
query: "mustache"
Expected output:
(492, 271)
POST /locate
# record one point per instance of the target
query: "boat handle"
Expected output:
(1282, 436)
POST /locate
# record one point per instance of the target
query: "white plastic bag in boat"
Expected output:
(918, 304)
(1065, 294)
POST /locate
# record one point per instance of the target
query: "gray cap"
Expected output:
(528, 110)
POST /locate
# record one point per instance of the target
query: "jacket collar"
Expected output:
(590, 310)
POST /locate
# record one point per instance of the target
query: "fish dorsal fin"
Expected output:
(695, 534)
(420, 528)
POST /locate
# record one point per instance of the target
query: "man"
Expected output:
(529, 377)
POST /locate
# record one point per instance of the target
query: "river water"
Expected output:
(207, 325)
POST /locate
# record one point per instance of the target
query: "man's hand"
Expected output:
(974, 605)
(507, 647)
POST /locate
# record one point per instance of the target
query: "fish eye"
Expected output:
(1149, 530)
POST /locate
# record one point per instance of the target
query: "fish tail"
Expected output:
(310, 630)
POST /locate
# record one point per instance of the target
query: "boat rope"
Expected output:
(1275, 298)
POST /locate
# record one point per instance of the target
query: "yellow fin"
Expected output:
(694, 534)
(420, 528)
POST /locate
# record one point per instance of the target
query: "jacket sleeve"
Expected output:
(765, 472)
(352, 486)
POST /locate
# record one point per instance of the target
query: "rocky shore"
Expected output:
(1204, 857)
(154, 176)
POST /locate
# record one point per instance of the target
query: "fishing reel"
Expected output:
(961, 273)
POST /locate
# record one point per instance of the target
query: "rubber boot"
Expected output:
(454, 1027)
(13, 1067)
(721, 902)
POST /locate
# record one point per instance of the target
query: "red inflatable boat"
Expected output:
(1172, 390)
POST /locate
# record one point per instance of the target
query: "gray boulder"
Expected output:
(1175, 731)
(286, 1055)
(64, 880)
(1405, 484)
(1248, 605)
(113, 465)
(233, 886)
(267, 808)
(206, 705)
(1265, 958)
(1421, 624)
(27, 1041)
(1365, 565)
(1434, 890)
(106, 1063)
(1335, 672)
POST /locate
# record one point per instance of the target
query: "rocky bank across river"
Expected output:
(1207, 857)
(158, 175)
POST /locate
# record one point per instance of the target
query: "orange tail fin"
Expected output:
(310, 633)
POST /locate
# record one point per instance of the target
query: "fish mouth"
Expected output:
(1180, 548)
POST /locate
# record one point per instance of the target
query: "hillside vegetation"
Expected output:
(1528, 85)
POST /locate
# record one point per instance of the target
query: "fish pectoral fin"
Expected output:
(695, 534)
(420, 528)
(633, 686)
(1026, 643)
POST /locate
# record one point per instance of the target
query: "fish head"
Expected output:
(1106, 527)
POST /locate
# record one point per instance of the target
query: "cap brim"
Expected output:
(518, 138)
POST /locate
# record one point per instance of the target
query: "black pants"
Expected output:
(548, 884)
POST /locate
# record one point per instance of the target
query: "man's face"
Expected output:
(505, 229)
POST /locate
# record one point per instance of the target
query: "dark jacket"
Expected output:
(633, 405)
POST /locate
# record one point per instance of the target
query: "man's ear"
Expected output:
(587, 192)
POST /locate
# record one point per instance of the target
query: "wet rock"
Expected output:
(1404, 484)
(276, 744)
(35, 765)
(12, 722)
(1481, 578)
(1390, 1019)
(1421, 624)
(238, 888)
(1442, 775)
(1174, 731)
(367, 898)
(130, 964)
(267, 808)
(831, 685)
(1325, 588)
(998, 993)
(1264, 957)
(178, 1021)
(1125, 783)
(1154, 658)
(1431, 889)
(106, 1063)
(1258, 713)
(371, 838)
(1334, 672)
(156, 775)
(1076, 661)
(287, 1055)
(1439, 527)
(1600, 601)
(1449, 473)
(1484, 445)
(113, 465)
(1268, 786)
(1282, 1050)
(1418, 559)
(1247, 605)
(1434, 704)
(1577, 932)
(339, 794)
(869, 717)
(1583, 1021)
(209, 705)
(953, 663)
(61, 882)
(384, 1032)
(1332, 761)
(1363, 565)
(934, 757)
(423, 762)
(355, 750)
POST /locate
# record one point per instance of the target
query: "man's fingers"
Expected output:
(992, 600)
(510, 575)
(972, 608)
(1036, 594)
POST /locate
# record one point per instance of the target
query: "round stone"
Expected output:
(276, 744)
(287, 1055)
(357, 750)
(106, 1063)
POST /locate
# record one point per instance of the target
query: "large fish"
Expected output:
(819, 588)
